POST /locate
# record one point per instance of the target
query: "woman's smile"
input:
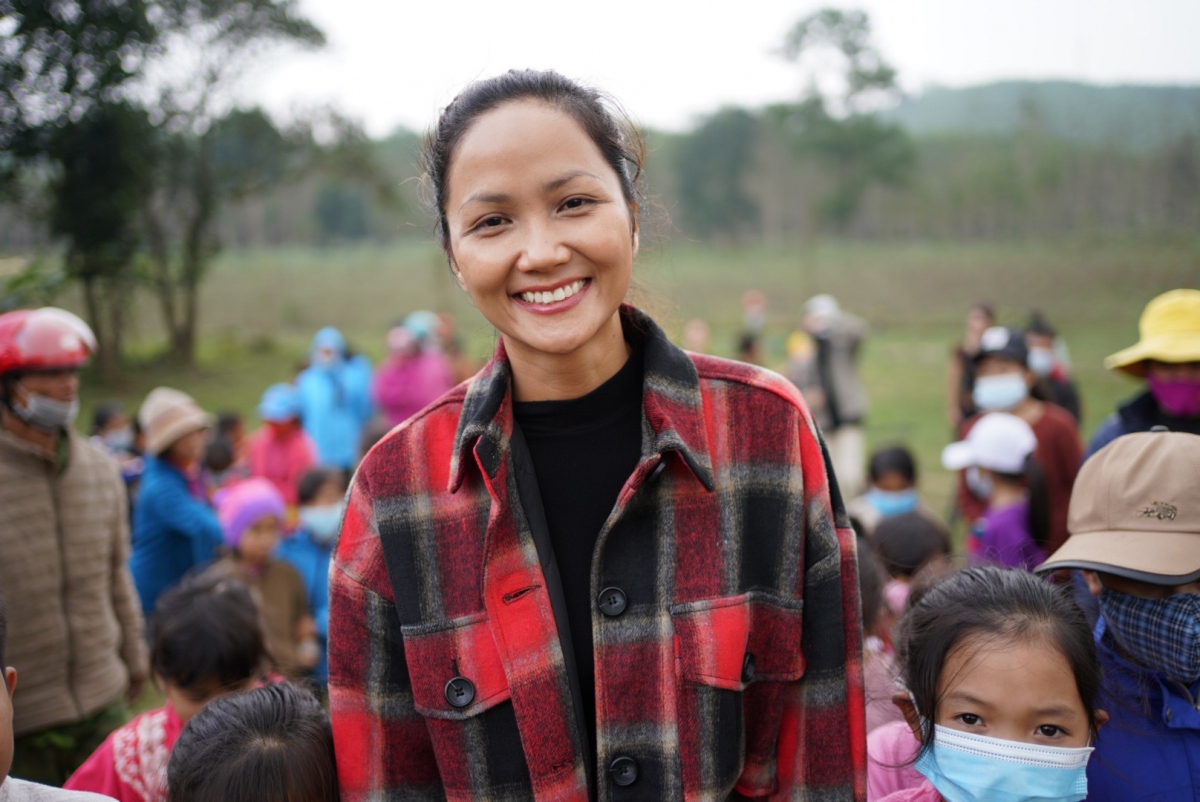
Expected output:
(553, 299)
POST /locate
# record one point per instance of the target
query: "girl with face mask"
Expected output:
(1002, 677)
(320, 496)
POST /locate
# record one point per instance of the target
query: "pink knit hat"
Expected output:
(239, 507)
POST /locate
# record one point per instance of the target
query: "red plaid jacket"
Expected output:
(733, 665)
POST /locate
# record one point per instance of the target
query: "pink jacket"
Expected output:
(404, 386)
(131, 764)
(282, 460)
(924, 793)
(891, 748)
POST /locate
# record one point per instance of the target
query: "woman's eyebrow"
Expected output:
(485, 197)
(566, 178)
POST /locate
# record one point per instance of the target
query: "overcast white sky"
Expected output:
(395, 62)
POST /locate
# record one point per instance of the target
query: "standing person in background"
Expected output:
(1002, 384)
(1167, 357)
(321, 494)
(174, 530)
(416, 371)
(452, 346)
(570, 577)
(960, 374)
(281, 451)
(112, 430)
(335, 399)
(1135, 536)
(1047, 362)
(839, 337)
(74, 622)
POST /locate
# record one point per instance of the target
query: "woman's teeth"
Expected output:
(553, 296)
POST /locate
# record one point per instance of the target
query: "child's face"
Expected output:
(1017, 690)
(893, 482)
(259, 540)
(6, 717)
(187, 702)
(329, 494)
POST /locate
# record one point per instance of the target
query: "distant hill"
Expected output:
(1137, 118)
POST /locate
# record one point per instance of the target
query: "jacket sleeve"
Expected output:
(126, 602)
(181, 513)
(382, 745)
(822, 742)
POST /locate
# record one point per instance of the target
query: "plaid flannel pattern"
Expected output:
(1160, 634)
(736, 664)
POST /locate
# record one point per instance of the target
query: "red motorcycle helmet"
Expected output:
(43, 339)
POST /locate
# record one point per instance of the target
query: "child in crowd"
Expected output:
(271, 744)
(997, 455)
(232, 429)
(12, 789)
(879, 664)
(892, 473)
(251, 514)
(904, 545)
(281, 451)
(320, 493)
(206, 641)
(1002, 679)
(1135, 534)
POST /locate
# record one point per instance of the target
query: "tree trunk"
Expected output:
(96, 318)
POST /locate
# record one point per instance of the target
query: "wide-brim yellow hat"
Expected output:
(1169, 332)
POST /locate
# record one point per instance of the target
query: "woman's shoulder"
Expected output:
(713, 369)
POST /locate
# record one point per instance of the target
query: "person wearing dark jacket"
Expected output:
(1167, 356)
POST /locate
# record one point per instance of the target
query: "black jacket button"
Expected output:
(748, 668)
(612, 601)
(624, 771)
(460, 692)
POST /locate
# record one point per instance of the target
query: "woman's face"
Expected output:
(540, 234)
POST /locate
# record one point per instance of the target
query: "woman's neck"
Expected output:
(542, 376)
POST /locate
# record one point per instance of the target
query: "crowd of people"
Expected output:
(604, 567)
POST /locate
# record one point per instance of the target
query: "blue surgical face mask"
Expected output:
(1042, 361)
(979, 484)
(322, 523)
(890, 503)
(975, 768)
(999, 393)
(1161, 634)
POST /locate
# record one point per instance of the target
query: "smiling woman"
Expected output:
(604, 568)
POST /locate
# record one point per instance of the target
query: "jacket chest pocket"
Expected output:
(735, 659)
(460, 688)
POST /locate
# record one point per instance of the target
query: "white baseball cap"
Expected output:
(998, 441)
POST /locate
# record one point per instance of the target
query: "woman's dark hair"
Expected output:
(271, 744)
(218, 455)
(206, 632)
(1000, 604)
(104, 414)
(896, 459)
(310, 484)
(619, 142)
(1034, 480)
(906, 542)
(1039, 325)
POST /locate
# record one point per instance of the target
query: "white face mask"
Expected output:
(999, 393)
(43, 412)
(322, 523)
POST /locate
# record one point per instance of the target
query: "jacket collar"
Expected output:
(672, 407)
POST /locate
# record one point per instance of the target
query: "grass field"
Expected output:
(261, 307)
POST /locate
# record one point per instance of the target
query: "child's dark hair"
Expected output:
(271, 744)
(1001, 604)
(218, 456)
(104, 414)
(228, 422)
(906, 542)
(1034, 480)
(896, 459)
(206, 633)
(310, 484)
(619, 143)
